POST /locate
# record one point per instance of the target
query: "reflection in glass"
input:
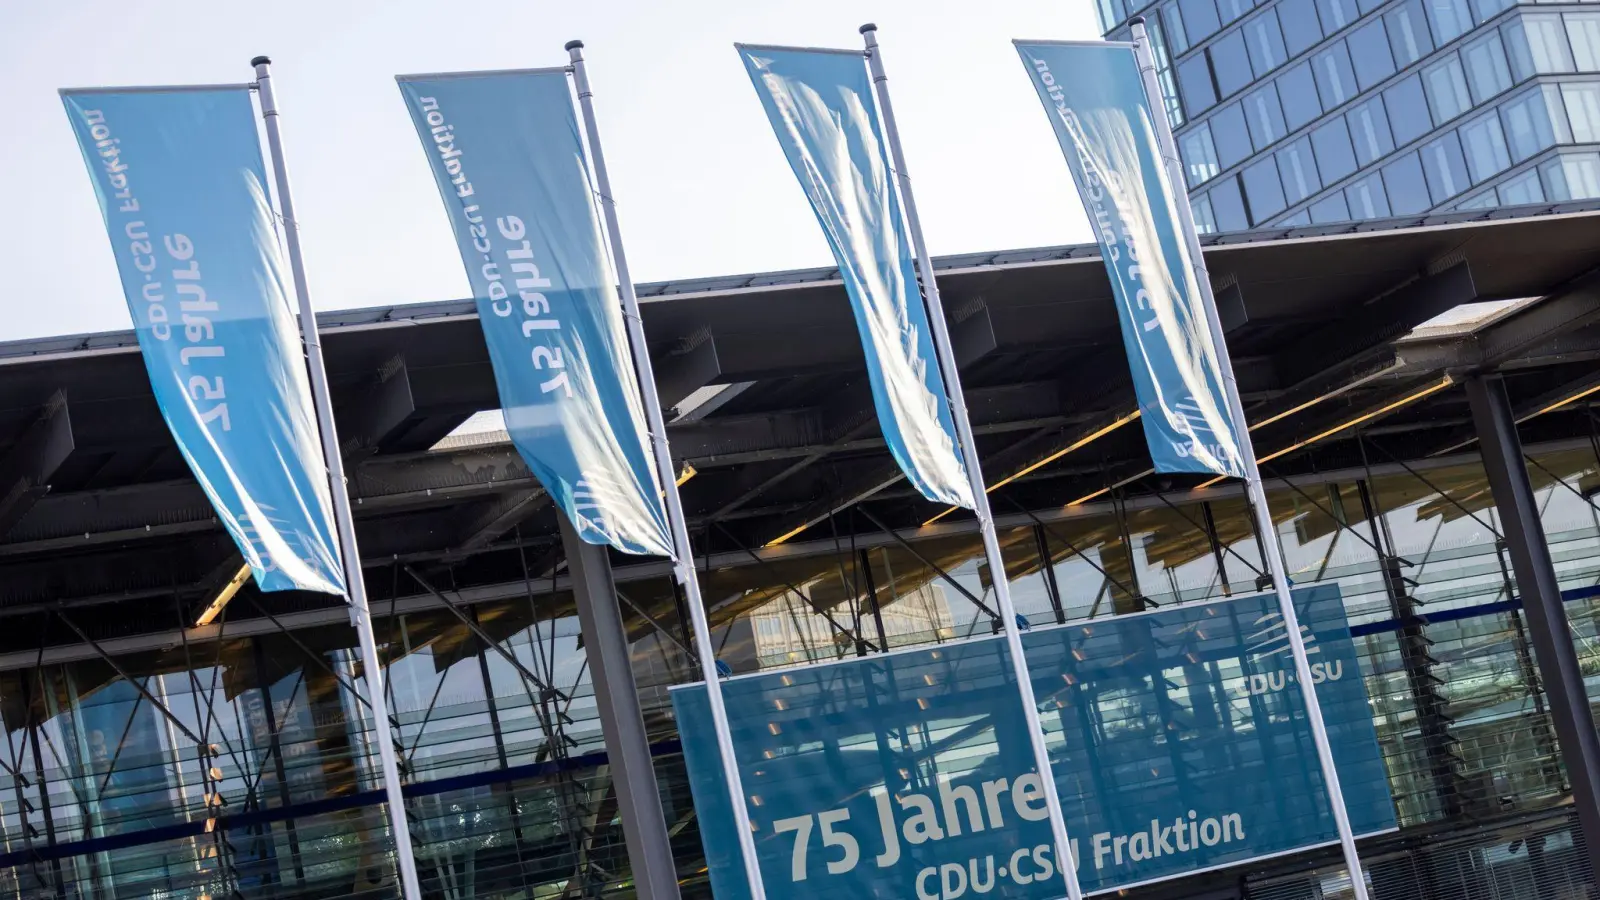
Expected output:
(1485, 144)
(1487, 71)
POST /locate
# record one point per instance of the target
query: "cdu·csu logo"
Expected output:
(1271, 639)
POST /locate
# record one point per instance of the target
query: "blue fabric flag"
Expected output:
(1095, 98)
(507, 156)
(822, 108)
(182, 189)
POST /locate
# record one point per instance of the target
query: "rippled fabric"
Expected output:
(182, 188)
(506, 154)
(822, 109)
(1096, 102)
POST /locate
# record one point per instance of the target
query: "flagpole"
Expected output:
(355, 586)
(969, 453)
(684, 564)
(1254, 488)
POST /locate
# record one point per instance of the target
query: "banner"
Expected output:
(1178, 741)
(1095, 98)
(510, 165)
(182, 189)
(822, 108)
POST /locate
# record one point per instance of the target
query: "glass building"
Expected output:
(152, 752)
(1309, 112)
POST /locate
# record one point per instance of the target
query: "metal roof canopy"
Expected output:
(95, 502)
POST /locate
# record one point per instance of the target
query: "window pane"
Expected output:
(1194, 78)
(1199, 19)
(1199, 155)
(1336, 14)
(1404, 183)
(1298, 91)
(1485, 200)
(1336, 82)
(1173, 20)
(1446, 87)
(1265, 41)
(1262, 189)
(1229, 135)
(1572, 176)
(1300, 26)
(1335, 156)
(1583, 28)
(1582, 100)
(1261, 110)
(1537, 45)
(1524, 188)
(1529, 126)
(1487, 8)
(1366, 199)
(1449, 18)
(1204, 221)
(1330, 209)
(1487, 72)
(1369, 131)
(1298, 220)
(1232, 9)
(1408, 33)
(1369, 51)
(1408, 111)
(1485, 144)
(1445, 167)
(1298, 171)
(1228, 206)
(1231, 63)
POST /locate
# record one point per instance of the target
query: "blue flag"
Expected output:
(1095, 98)
(183, 192)
(510, 165)
(822, 108)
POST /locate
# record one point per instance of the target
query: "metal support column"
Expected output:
(1548, 627)
(605, 642)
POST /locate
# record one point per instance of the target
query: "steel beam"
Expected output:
(1517, 335)
(379, 412)
(605, 643)
(1548, 627)
(25, 472)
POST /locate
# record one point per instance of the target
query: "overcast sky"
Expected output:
(702, 186)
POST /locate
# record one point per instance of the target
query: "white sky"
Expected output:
(702, 186)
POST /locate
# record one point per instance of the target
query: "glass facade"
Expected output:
(1294, 112)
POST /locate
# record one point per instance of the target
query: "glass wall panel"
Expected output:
(1199, 19)
(1488, 73)
(1301, 29)
(1263, 190)
(1537, 45)
(1194, 81)
(1331, 208)
(1408, 32)
(1335, 155)
(1529, 123)
(1298, 170)
(1199, 155)
(1265, 42)
(1572, 176)
(1369, 52)
(1408, 110)
(1336, 14)
(1450, 19)
(1264, 115)
(1205, 222)
(1522, 188)
(1177, 33)
(1582, 102)
(1231, 63)
(1336, 81)
(1366, 198)
(1445, 167)
(1297, 88)
(1446, 87)
(1485, 200)
(1485, 144)
(1404, 183)
(1488, 8)
(1230, 135)
(1233, 9)
(1369, 131)
(1583, 30)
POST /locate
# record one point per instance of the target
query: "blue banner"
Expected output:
(505, 150)
(183, 192)
(1178, 741)
(822, 108)
(1095, 98)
